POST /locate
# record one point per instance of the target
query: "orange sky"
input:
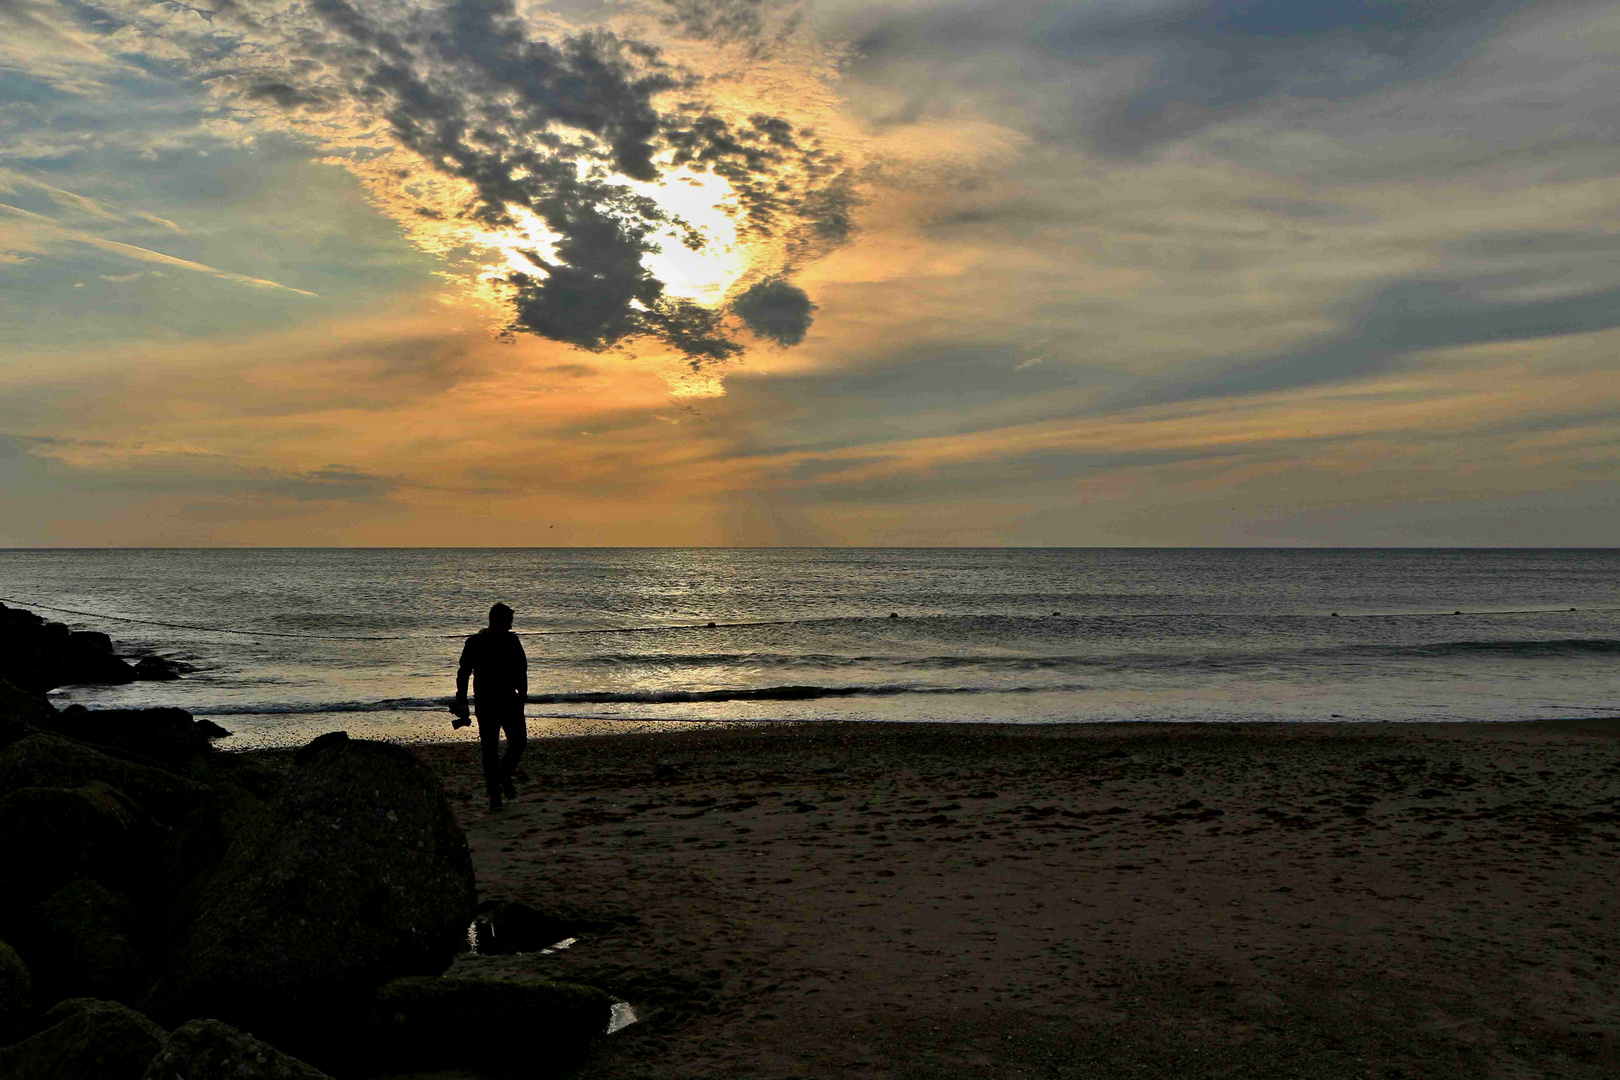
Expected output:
(1069, 285)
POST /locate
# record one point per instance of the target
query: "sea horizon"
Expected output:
(285, 643)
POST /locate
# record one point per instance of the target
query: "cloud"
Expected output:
(1125, 78)
(775, 310)
(38, 42)
(480, 123)
(1402, 320)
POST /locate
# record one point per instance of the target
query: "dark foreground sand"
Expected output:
(1077, 901)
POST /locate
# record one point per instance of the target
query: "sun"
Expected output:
(702, 201)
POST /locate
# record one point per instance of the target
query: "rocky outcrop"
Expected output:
(91, 936)
(211, 1050)
(138, 863)
(487, 1025)
(84, 1039)
(39, 656)
(16, 993)
(355, 873)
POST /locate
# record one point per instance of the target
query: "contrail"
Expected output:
(148, 255)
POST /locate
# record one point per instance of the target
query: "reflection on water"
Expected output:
(481, 940)
(621, 1017)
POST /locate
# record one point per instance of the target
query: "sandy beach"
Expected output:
(1335, 900)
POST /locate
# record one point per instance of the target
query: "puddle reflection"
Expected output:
(621, 1017)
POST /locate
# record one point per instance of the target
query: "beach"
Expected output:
(1257, 900)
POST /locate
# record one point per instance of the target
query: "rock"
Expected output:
(197, 845)
(210, 1050)
(16, 616)
(21, 713)
(355, 873)
(16, 993)
(44, 759)
(82, 942)
(487, 1025)
(155, 668)
(80, 658)
(38, 656)
(51, 836)
(85, 1039)
(169, 737)
(93, 639)
(212, 730)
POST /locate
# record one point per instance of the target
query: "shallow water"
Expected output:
(367, 640)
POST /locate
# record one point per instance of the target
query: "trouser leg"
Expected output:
(517, 737)
(489, 736)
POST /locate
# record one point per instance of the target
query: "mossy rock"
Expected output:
(16, 993)
(42, 759)
(51, 836)
(21, 713)
(84, 1039)
(83, 942)
(494, 1026)
(211, 1050)
(355, 873)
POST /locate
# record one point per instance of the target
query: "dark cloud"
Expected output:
(553, 127)
(335, 483)
(286, 95)
(814, 211)
(776, 310)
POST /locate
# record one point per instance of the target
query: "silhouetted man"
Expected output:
(500, 671)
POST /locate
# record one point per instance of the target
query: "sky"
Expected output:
(771, 272)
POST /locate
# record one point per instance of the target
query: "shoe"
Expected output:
(494, 802)
(508, 789)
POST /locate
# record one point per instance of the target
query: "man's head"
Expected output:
(500, 617)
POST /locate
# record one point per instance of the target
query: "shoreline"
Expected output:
(1253, 899)
(599, 728)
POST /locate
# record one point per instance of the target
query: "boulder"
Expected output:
(16, 993)
(486, 1025)
(51, 836)
(85, 1039)
(156, 669)
(82, 941)
(43, 759)
(21, 713)
(212, 730)
(354, 873)
(195, 848)
(168, 737)
(91, 639)
(211, 1050)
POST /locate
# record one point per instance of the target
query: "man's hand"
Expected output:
(462, 717)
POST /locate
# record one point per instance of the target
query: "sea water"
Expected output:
(288, 643)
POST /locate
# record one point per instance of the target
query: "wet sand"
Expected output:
(1077, 901)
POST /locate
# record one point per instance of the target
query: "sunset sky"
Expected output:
(911, 272)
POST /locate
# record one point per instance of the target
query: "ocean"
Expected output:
(289, 643)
